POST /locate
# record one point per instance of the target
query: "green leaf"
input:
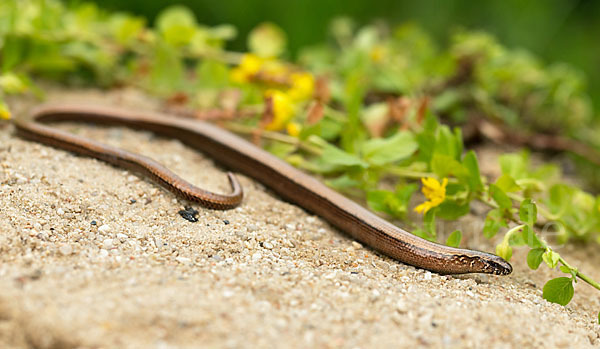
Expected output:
(447, 143)
(500, 197)
(534, 257)
(177, 25)
(514, 165)
(516, 239)
(335, 156)
(423, 234)
(12, 83)
(167, 69)
(504, 250)
(445, 166)
(343, 182)
(530, 238)
(451, 210)
(126, 28)
(528, 212)
(394, 204)
(565, 269)
(559, 290)
(471, 164)
(212, 73)
(454, 239)
(267, 40)
(383, 151)
(429, 222)
(507, 183)
(493, 222)
(551, 258)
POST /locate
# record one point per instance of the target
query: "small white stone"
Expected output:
(66, 249)
(290, 227)
(183, 260)
(356, 245)
(256, 256)
(107, 244)
(122, 237)
(470, 294)
(60, 212)
(104, 228)
(103, 253)
(132, 178)
(268, 245)
(401, 307)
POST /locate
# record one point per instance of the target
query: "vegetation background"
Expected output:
(554, 30)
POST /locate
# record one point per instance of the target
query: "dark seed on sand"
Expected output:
(189, 214)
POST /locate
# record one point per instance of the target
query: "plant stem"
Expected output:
(580, 275)
(275, 136)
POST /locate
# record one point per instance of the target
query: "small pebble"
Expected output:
(104, 228)
(65, 250)
(122, 237)
(183, 260)
(256, 256)
(107, 244)
(93, 223)
(60, 212)
(132, 201)
(356, 245)
(225, 221)
(268, 245)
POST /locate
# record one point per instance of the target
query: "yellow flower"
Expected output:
(302, 86)
(434, 191)
(249, 66)
(377, 53)
(4, 112)
(283, 109)
(293, 129)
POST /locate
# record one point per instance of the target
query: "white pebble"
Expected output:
(107, 244)
(356, 245)
(104, 228)
(103, 253)
(132, 178)
(401, 307)
(122, 237)
(60, 212)
(268, 245)
(256, 256)
(65, 250)
(183, 260)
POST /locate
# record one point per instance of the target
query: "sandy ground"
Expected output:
(92, 256)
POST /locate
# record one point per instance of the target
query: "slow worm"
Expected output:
(237, 154)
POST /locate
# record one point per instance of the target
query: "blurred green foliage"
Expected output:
(555, 30)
